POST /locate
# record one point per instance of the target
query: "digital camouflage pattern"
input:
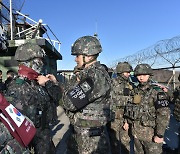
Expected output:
(177, 103)
(29, 51)
(149, 115)
(121, 94)
(9, 145)
(86, 45)
(89, 124)
(31, 55)
(35, 101)
(123, 67)
(3, 39)
(142, 69)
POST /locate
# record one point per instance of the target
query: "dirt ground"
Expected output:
(60, 131)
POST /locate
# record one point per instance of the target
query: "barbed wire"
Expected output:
(163, 53)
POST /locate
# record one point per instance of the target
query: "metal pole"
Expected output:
(26, 17)
(11, 20)
(174, 78)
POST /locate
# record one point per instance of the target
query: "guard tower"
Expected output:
(16, 29)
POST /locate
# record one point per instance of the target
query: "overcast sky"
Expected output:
(123, 26)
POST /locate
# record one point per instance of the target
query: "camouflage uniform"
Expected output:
(3, 39)
(149, 114)
(121, 90)
(89, 121)
(31, 99)
(177, 108)
(177, 102)
(8, 144)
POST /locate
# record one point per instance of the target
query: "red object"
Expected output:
(23, 133)
(27, 72)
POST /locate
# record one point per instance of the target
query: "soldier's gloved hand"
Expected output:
(126, 126)
(158, 139)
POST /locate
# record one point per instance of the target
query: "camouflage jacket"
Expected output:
(150, 111)
(33, 100)
(120, 94)
(96, 112)
(8, 144)
(177, 103)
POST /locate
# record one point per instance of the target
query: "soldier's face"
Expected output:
(80, 60)
(143, 78)
(126, 74)
(37, 64)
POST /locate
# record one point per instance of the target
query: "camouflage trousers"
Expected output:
(147, 147)
(42, 142)
(82, 141)
(119, 138)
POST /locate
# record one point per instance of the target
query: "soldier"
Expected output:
(10, 75)
(120, 96)
(86, 100)
(177, 109)
(148, 112)
(32, 94)
(177, 102)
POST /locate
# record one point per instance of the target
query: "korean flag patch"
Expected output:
(16, 116)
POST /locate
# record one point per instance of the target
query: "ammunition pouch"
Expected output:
(140, 113)
(132, 111)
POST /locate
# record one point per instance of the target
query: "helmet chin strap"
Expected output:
(124, 77)
(85, 63)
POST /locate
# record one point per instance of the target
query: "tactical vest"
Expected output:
(121, 92)
(144, 112)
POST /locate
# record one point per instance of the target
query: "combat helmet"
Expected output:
(29, 51)
(143, 69)
(123, 67)
(86, 45)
